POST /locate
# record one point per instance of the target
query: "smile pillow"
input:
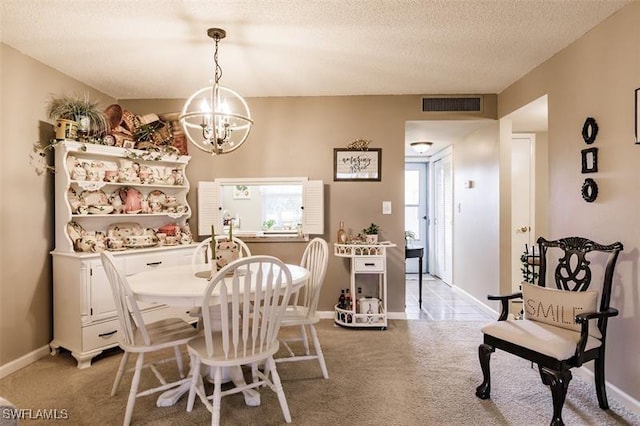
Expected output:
(559, 307)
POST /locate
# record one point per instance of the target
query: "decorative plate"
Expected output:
(157, 196)
(100, 209)
(141, 245)
(74, 201)
(94, 198)
(74, 230)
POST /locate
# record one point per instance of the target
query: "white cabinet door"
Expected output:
(100, 297)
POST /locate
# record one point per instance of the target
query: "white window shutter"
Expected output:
(209, 208)
(313, 207)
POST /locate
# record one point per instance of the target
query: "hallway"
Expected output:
(440, 302)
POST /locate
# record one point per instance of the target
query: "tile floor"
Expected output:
(440, 302)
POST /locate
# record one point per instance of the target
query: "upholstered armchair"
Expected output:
(563, 327)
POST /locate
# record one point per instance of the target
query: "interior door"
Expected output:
(522, 202)
(443, 219)
(415, 211)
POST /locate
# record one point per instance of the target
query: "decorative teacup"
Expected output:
(162, 238)
(110, 175)
(115, 244)
(145, 175)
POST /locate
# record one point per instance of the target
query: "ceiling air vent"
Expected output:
(452, 104)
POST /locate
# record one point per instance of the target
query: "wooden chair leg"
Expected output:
(318, 349)
(121, 369)
(484, 353)
(217, 397)
(305, 340)
(601, 389)
(277, 388)
(558, 381)
(196, 382)
(133, 392)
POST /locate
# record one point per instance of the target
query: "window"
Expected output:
(281, 210)
(412, 202)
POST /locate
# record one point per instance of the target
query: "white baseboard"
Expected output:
(480, 303)
(626, 400)
(23, 361)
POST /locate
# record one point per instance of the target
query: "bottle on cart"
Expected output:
(358, 299)
(342, 300)
(342, 234)
(348, 301)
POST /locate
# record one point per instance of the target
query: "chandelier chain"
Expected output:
(218, 69)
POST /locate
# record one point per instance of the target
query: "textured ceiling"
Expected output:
(159, 48)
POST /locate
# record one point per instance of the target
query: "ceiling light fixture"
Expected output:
(215, 118)
(421, 147)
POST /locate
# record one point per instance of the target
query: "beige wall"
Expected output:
(26, 230)
(476, 213)
(596, 77)
(291, 137)
(295, 136)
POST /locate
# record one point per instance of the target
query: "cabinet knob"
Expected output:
(154, 263)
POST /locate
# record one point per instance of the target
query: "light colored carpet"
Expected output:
(413, 373)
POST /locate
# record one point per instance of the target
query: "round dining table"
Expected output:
(183, 286)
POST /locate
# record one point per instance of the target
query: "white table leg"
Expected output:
(251, 396)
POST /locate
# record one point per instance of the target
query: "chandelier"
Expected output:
(215, 118)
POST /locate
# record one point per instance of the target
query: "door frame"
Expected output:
(411, 265)
(431, 213)
(531, 231)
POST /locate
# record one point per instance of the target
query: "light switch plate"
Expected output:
(386, 207)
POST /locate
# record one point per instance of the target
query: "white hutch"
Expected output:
(89, 214)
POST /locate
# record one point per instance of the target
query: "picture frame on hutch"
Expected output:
(357, 165)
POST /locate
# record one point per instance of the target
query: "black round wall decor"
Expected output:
(589, 190)
(589, 130)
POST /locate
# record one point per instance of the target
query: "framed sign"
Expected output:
(355, 165)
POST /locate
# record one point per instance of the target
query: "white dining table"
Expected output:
(183, 286)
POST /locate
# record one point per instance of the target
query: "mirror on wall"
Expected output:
(267, 208)
(261, 207)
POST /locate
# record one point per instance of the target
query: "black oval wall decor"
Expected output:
(589, 190)
(589, 130)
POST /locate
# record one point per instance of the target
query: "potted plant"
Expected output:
(268, 224)
(371, 233)
(77, 117)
